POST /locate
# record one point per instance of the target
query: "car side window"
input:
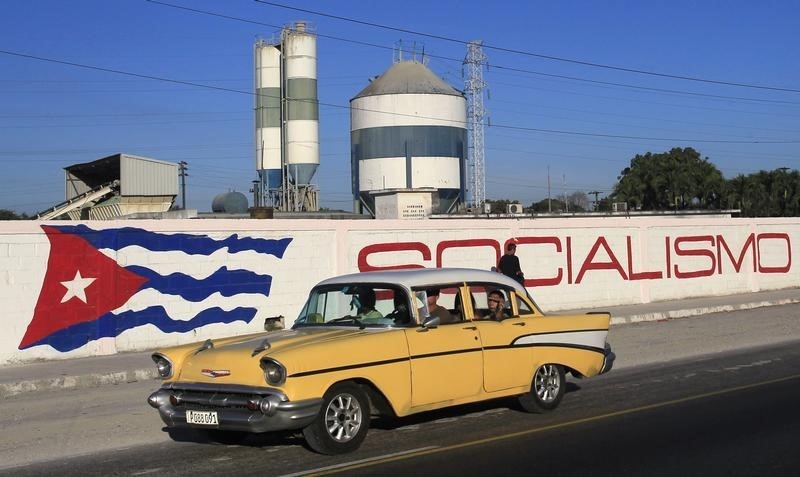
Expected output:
(448, 299)
(482, 293)
(522, 306)
(437, 301)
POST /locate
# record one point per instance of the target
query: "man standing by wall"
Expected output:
(509, 265)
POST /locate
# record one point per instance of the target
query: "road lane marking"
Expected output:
(148, 471)
(436, 449)
(360, 463)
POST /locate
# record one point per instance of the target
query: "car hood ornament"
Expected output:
(216, 373)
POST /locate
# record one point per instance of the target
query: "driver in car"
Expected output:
(364, 302)
(436, 310)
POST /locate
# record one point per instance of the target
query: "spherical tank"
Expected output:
(408, 130)
(302, 118)
(268, 112)
(230, 203)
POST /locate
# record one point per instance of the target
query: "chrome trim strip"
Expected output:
(224, 389)
(286, 415)
(593, 339)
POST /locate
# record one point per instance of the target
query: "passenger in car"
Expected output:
(400, 314)
(435, 310)
(366, 304)
(497, 303)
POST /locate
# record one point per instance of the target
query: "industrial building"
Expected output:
(116, 186)
(408, 141)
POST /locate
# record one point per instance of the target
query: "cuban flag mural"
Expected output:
(99, 283)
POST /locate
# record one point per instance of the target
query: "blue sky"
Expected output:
(53, 115)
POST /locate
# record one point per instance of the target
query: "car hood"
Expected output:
(238, 358)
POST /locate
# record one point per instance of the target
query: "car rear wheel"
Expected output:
(547, 389)
(342, 423)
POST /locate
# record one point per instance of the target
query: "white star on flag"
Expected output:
(77, 287)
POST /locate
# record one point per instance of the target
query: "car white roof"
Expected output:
(425, 277)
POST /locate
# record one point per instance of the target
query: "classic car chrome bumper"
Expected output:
(608, 359)
(238, 408)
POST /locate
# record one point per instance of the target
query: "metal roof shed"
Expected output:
(116, 186)
(137, 175)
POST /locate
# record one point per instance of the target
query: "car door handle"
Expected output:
(521, 323)
(473, 328)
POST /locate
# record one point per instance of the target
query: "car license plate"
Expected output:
(203, 418)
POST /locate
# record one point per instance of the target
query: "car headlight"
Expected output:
(163, 365)
(274, 372)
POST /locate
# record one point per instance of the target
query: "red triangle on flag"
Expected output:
(77, 270)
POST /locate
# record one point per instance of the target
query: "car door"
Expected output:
(446, 362)
(504, 366)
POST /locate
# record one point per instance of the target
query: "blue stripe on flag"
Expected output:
(116, 239)
(226, 282)
(110, 325)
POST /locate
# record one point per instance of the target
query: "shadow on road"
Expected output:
(387, 423)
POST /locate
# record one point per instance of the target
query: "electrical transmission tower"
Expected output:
(474, 88)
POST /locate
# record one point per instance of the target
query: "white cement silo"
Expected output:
(268, 113)
(302, 107)
(408, 131)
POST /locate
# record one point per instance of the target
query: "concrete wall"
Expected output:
(71, 289)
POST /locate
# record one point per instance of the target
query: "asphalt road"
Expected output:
(724, 413)
(742, 421)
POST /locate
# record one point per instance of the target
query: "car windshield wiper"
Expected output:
(354, 319)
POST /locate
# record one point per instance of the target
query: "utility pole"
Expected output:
(183, 168)
(549, 205)
(595, 193)
(784, 169)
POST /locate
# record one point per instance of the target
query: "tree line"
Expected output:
(680, 180)
(6, 214)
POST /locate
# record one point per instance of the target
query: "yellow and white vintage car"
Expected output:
(393, 342)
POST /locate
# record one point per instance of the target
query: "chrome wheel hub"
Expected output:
(547, 383)
(343, 417)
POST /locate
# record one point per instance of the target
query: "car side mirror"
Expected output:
(272, 323)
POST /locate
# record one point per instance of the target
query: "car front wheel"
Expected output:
(342, 423)
(547, 389)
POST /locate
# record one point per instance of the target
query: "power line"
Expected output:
(641, 138)
(632, 116)
(120, 72)
(113, 115)
(494, 66)
(349, 107)
(528, 53)
(255, 22)
(644, 88)
(615, 98)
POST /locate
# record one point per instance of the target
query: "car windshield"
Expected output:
(357, 304)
